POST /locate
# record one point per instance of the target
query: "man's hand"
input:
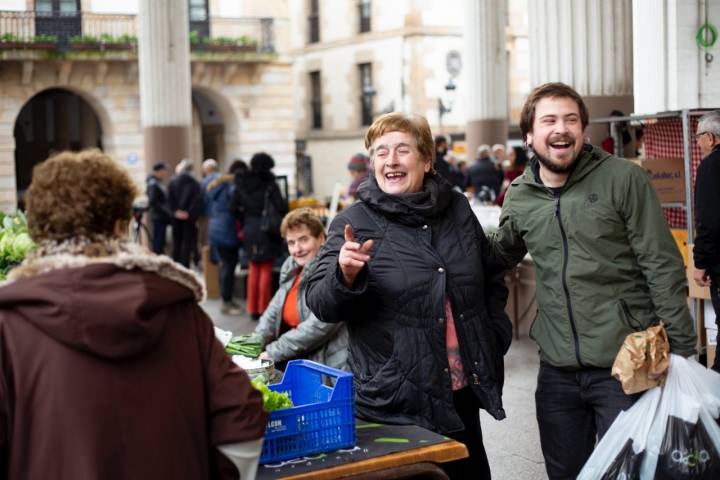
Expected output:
(264, 356)
(701, 277)
(353, 256)
(181, 215)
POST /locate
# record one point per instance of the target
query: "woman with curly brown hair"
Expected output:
(109, 368)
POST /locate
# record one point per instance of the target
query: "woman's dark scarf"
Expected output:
(412, 209)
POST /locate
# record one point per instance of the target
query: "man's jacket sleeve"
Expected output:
(507, 246)
(659, 259)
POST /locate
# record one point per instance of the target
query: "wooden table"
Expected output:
(382, 451)
(426, 457)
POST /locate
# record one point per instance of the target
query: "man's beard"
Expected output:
(553, 167)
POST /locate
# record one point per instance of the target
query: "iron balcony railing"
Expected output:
(65, 29)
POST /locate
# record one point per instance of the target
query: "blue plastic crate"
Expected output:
(322, 420)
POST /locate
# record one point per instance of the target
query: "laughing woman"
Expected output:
(288, 328)
(407, 269)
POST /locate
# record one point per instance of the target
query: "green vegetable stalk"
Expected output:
(247, 345)
(271, 400)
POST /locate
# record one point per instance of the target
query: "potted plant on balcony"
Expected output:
(84, 42)
(10, 41)
(230, 44)
(123, 42)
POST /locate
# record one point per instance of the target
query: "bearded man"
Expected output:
(606, 266)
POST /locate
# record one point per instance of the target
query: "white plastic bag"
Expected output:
(670, 433)
(620, 453)
(684, 440)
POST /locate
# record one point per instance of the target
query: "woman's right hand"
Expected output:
(353, 256)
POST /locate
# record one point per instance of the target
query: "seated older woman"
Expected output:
(407, 269)
(109, 368)
(288, 328)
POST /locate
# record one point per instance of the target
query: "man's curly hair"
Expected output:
(78, 194)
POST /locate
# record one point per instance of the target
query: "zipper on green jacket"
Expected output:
(576, 340)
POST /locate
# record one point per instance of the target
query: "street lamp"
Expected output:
(446, 105)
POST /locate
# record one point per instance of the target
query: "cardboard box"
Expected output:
(211, 274)
(710, 355)
(695, 291)
(667, 176)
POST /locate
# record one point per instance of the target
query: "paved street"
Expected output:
(513, 445)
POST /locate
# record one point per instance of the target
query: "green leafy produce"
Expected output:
(15, 242)
(247, 345)
(271, 400)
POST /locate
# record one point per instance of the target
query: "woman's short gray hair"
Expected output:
(710, 122)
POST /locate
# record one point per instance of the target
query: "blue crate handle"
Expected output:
(319, 367)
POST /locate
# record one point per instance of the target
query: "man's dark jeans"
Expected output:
(574, 410)
(159, 236)
(228, 262)
(715, 297)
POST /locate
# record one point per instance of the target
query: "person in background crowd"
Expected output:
(608, 144)
(288, 328)
(499, 157)
(113, 367)
(210, 171)
(407, 269)
(457, 177)
(483, 176)
(441, 165)
(706, 252)
(256, 191)
(185, 199)
(223, 237)
(606, 266)
(358, 168)
(160, 213)
(518, 160)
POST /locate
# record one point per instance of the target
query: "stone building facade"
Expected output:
(64, 97)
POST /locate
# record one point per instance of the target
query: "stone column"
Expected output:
(672, 71)
(588, 45)
(165, 88)
(486, 73)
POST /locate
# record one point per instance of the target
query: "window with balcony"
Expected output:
(364, 15)
(199, 17)
(367, 93)
(60, 18)
(313, 21)
(316, 100)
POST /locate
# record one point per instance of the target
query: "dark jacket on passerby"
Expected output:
(441, 166)
(395, 311)
(326, 343)
(484, 174)
(110, 369)
(706, 252)
(185, 193)
(221, 224)
(605, 261)
(248, 203)
(157, 200)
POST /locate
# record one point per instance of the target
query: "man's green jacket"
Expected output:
(606, 263)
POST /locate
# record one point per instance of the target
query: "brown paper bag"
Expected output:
(643, 360)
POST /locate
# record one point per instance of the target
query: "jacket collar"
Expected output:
(81, 252)
(590, 158)
(411, 208)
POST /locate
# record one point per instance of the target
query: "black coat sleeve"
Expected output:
(326, 294)
(707, 200)
(496, 292)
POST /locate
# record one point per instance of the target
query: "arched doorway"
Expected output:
(208, 129)
(53, 120)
